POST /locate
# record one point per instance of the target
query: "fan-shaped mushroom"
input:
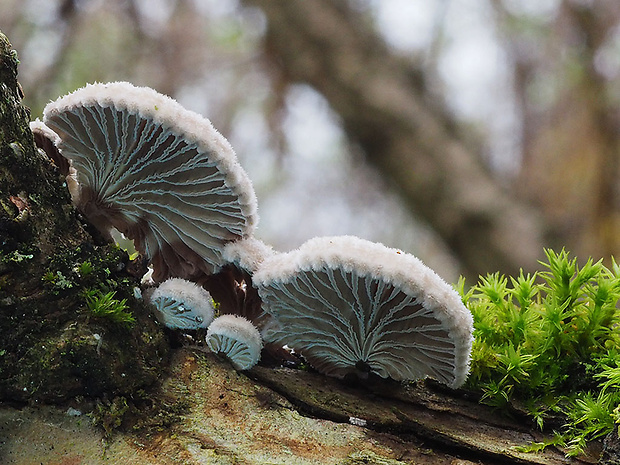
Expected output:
(159, 173)
(352, 306)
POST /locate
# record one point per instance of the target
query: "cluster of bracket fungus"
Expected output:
(165, 178)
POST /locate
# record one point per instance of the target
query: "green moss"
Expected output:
(106, 306)
(64, 339)
(87, 266)
(85, 269)
(109, 414)
(549, 343)
(86, 359)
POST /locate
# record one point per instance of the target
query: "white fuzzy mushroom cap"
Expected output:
(247, 253)
(40, 126)
(237, 339)
(343, 300)
(181, 304)
(157, 172)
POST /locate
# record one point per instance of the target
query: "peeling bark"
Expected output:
(444, 419)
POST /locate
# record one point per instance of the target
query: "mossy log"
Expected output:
(153, 404)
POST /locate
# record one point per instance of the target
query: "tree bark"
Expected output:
(52, 347)
(205, 412)
(404, 132)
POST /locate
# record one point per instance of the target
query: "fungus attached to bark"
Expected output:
(352, 306)
(47, 140)
(237, 339)
(181, 304)
(232, 286)
(159, 173)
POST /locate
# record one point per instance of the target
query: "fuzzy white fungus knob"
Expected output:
(247, 253)
(237, 339)
(352, 306)
(181, 304)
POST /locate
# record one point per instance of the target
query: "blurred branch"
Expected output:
(569, 119)
(407, 135)
(595, 26)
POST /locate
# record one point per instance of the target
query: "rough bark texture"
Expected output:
(386, 108)
(209, 414)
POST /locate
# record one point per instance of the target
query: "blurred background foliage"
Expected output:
(470, 133)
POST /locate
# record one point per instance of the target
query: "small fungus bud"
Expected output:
(181, 304)
(237, 339)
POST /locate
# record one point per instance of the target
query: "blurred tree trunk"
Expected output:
(571, 153)
(404, 132)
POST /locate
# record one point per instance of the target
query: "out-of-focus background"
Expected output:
(472, 133)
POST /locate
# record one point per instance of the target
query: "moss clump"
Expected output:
(109, 414)
(549, 343)
(143, 412)
(56, 347)
(106, 306)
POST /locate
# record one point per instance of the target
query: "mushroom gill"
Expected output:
(350, 306)
(160, 174)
